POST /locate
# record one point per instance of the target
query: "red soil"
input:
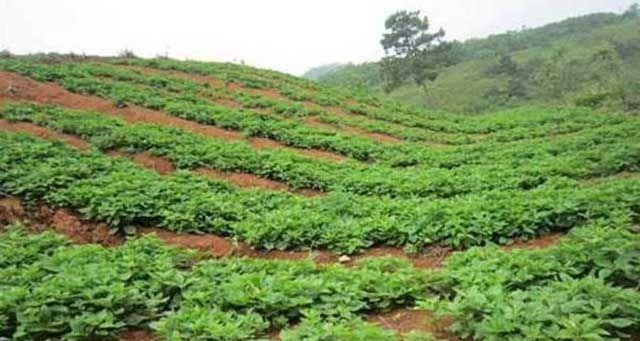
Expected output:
(319, 257)
(80, 230)
(273, 94)
(137, 335)
(224, 247)
(164, 167)
(244, 180)
(227, 102)
(432, 258)
(315, 122)
(44, 133)
(406, 320)
(259, 142)
(380, 137)
(270, 93)
(384, 138)
(233, 86)
(537, 243)
(23, 88)
(28, 89)
(157, 163)
(11, 210)
(215, 245)
(63, 221)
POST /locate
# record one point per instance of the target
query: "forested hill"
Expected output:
(592, 60)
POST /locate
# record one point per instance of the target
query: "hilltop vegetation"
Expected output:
(319, 213)
(590, 61)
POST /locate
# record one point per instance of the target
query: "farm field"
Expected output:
(156, 199)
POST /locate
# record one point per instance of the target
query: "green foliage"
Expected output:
(123, 194)
(454, 181)
(516, 294)
(415, 53)
(313, 328)
(519, 67)
(80, 292)
(205, 323)
(483, 166)
(70, 292)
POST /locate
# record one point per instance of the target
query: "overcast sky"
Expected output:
(286, 35)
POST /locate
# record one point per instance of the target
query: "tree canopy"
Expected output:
(412, 52)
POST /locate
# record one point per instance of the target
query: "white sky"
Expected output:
(286, 35)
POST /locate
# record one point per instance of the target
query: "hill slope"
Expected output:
(292, 192)
(591, 60)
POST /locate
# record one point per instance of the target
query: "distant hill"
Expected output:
(592, 60)
(322, 70)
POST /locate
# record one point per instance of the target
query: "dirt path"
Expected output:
(266, 93)
(44, 133)
(259, 143)
(16, 87)
(406, 320)
(157, 163)
(81, 230)
(378, 137)
(536, 243)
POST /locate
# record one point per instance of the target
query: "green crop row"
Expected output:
(77, 78)
(53, 290)
(123, 194)
(192, 107)
(293, 88)
(584, 288)
(518, 119)
(525, 122)
(249, 100)
(189, 150)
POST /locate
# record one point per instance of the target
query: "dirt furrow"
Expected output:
(379, 137)
(44, 133)
(81, 230)
(406, 320)
(259, 143)
(16, 87)
(267, 93)
(157, 163)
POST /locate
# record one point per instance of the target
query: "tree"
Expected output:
(632, 12)
(411, 51)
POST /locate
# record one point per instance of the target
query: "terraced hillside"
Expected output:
(169, 200)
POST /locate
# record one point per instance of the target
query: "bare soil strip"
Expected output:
(82, 231)
(244, 180)
(85, 231)
(260, 143)
(16, 87)
(537, 243)
(267, 93)
(137, 335)
(44, 133)
(379, 137)
(406, 320)
(214, 81)
(157, 163)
